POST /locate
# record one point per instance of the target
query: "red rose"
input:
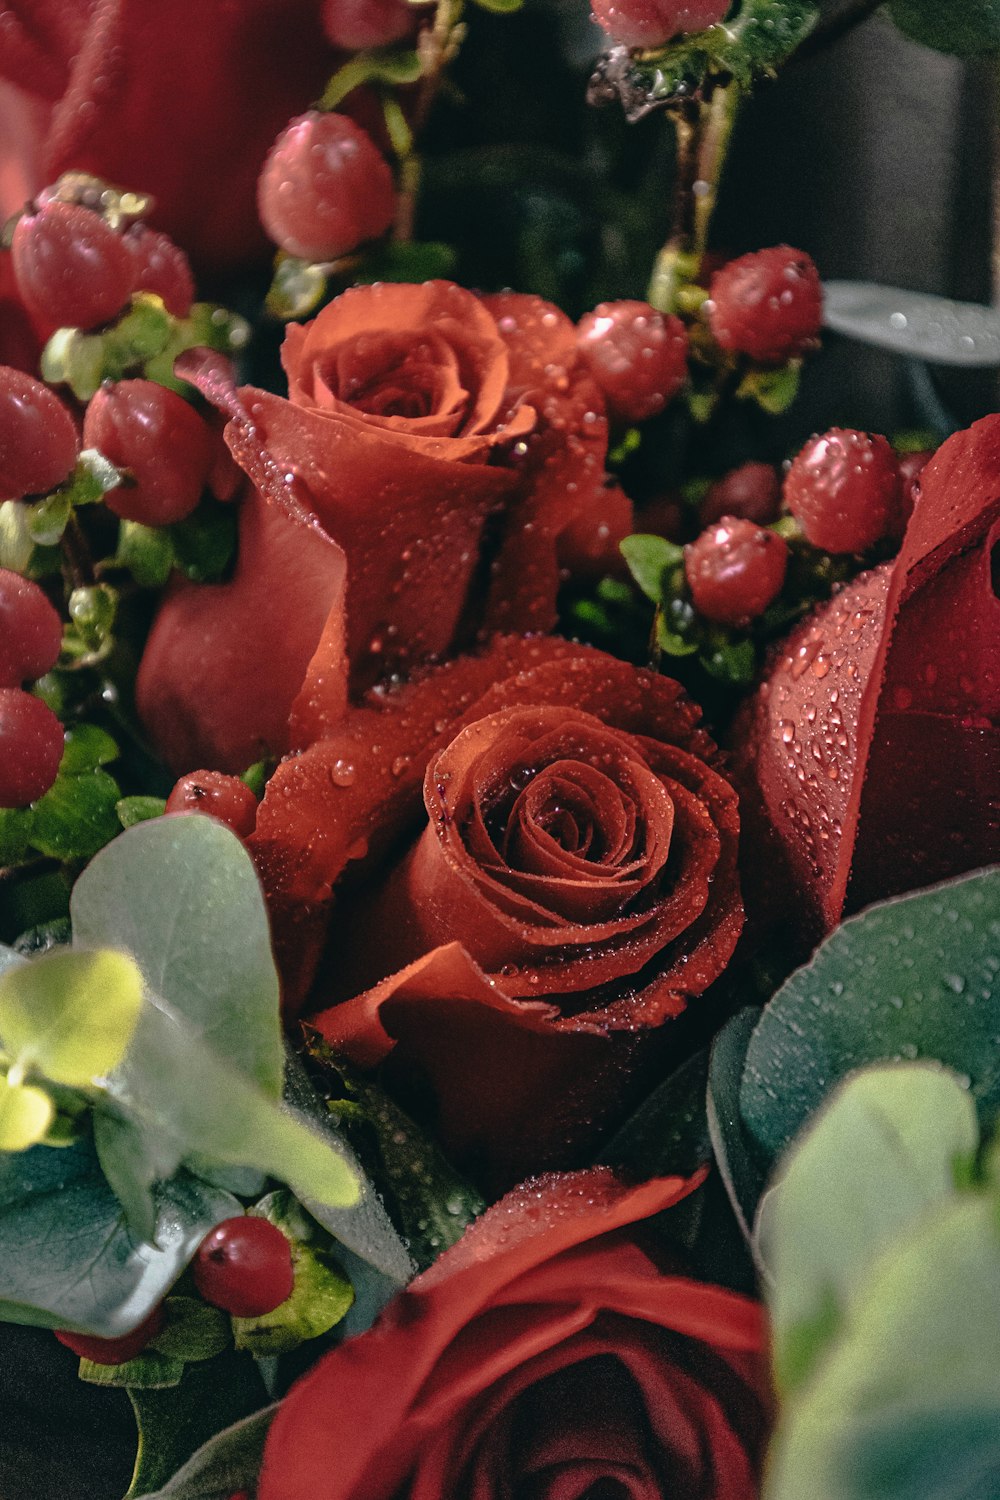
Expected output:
(549, 1353)
(870, 756)
(181, 100)
(538, 868)
(435, 450)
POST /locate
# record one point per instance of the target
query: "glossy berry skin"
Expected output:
(160, 266)
(650, 23)
(71, 268)
(637, 356)
(31, 747)
(30, 631)
(843, 489)
(160, 440)
(358, 24)
(325, 188)
(38, 441)
(735, 570)
(767, 305)
(244, 1265)
(114, 1351)
(752, 492)
(224, 797)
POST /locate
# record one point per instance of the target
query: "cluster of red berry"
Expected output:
(650, 23)
(31, 737)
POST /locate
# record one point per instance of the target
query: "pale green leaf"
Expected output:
(70, 1015)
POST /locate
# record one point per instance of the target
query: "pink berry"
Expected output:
(30, 631)
(71, 268)
(325, 188)
(637, 356)
(356, 25)
(31, 747)
(843, 489)
(160, 440)
(735, 570)
(768, 305)
(224, 797)
(161, 267)
(650, 23)
(38, 441)
(753, 492)
(114, 1351)
(244, 1265)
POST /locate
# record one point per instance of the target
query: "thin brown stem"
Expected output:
(79, 565)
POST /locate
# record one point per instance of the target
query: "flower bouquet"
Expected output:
(498, 948)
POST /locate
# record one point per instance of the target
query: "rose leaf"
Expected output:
(908, 1400)
(967, 28)
(884, 1148)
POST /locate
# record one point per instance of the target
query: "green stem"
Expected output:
(437, 47)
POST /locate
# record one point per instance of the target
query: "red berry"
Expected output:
(114, 1351)
(843, 489)
(910, 467)
(664, 516)
(30, 631)
(160, 266)
(31, 747)
(768, 305)
(753, 492)
(735, 570)
(649, 23)
(590, 547)
(356, 25)
(637, 356)
(244, 1265)
(71, 268)
(224, 797)
(160, 440)
(325, 188)
(38, 441)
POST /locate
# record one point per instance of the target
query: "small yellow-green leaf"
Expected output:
(70, 1015)
(25, 1115)
(321, 1297)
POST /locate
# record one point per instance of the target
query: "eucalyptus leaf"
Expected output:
(882, 1151)
(26, 1113)
(968, 28)
(70, 1016)
(181, 895)
(740, 1170)
(908, 1401)
(70, 1262)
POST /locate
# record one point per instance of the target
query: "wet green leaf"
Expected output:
(968, 28)
(649, 559)
(76, 817)
(70, 1015)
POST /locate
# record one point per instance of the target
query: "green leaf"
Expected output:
(86, 747)
(911, 978)
(15, 834)
(76, 359)
(16, 545)
(70, 1015)
(146, 551)
(47, 519)
(734, 663)
(93, 478)
(740, 1170)
(148, 1371)
(133, 810)
(192, 1331)
(181, 895)
(381, 65)
(230, 1461)
(773, 390)
(205, 542)
(297, 288)
(881, 1152)
(500, 7)
(76, 817)
(68, 1260)
(26, 1113)
(668, 1133)
(92, 609)
(966, 28)
(320, 1298)
(908, 1402)
(649, 558)
(409, 260)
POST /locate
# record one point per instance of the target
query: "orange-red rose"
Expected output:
(551, 1353)
(415, 493)
(534, 857)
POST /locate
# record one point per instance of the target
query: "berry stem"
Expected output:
(78, 566)
(437, 46)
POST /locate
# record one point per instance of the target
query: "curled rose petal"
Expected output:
(445, 445)
(548, 1347)
(870, 756)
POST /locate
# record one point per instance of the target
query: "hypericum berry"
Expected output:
(325, 188)
(664, 516)
(768, 305)
(244, 1265)
(910, 467)
(753, 492)
(356, 25)
(31, 747)
(71, 268)
(650, 23)
(30, 631)
(637, 356)
(160, 266)
(38, 441)
(843, 489)
(161, 440)
(590, 547)
(735, 570)
(224, 797)
(114, 1351)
